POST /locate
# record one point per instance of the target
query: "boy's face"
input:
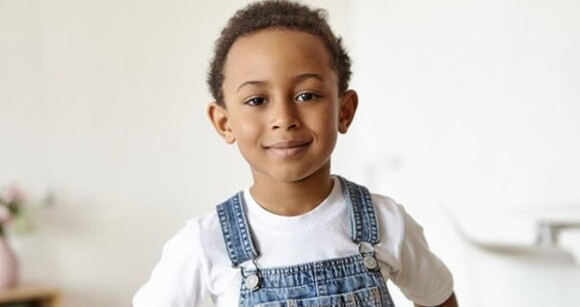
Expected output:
(282, 104)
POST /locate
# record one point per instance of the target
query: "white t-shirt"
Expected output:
(195, 263)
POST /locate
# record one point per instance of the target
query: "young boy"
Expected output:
(298, 236)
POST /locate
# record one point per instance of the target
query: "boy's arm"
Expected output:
(422, 276)
(450, 302)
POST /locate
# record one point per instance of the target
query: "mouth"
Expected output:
(287, 149)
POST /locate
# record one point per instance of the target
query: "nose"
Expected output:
(285, 115)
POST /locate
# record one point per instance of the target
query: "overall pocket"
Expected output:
(369, 297)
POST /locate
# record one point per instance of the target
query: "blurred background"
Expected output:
(469, 115)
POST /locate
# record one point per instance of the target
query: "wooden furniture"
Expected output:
(29, 296)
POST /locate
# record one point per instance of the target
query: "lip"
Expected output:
(287, 144)
(287, 149)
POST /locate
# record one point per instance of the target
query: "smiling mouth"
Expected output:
(287, 149)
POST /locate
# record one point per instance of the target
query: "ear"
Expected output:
(349, 103)
(218, 115)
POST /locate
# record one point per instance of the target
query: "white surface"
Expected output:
(473, 106)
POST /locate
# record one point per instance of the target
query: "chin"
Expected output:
(290, 178)
(293, 176)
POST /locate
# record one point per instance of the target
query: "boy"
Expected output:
(298, 236)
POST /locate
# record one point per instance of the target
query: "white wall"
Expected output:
(472, 105)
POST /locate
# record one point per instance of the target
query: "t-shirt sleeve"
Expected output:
(422, 276)
(178, 279)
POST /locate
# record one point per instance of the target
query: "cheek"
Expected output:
(246, 131)
(328, 120)
(328, 127)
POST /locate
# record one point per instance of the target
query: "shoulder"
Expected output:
(189, 239)
(191, 243)
(391, 215)
(204, 229)
(392, 224)
(388, 207)
(204, 222)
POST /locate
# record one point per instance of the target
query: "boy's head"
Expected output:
(277, 14)
(283, 76)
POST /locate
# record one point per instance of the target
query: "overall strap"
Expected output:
(364, 226)
(236, 231)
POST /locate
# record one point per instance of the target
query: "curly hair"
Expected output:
(282, 14)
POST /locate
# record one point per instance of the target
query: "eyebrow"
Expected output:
(305, 76)
(255, 83)
(298, 78)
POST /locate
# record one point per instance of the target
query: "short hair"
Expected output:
(280, 14)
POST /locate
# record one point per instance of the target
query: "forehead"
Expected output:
(276, 54)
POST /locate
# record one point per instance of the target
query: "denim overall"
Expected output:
(353, 281)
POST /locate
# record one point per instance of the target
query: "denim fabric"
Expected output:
(342, 282)
(236, 231)
(363, 221)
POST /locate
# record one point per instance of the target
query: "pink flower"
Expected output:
(11, 193)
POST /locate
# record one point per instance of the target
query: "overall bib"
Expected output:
(353, 281)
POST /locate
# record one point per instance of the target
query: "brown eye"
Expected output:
(306, 96)
(256, 101)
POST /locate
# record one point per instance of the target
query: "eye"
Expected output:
(306, 96)
(256, 101)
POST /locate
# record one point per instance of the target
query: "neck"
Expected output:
(293, 198)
